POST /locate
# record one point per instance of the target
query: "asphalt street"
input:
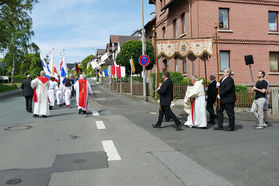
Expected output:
(114, 144)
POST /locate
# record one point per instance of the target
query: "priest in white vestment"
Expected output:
(195, 104)
(51, 92)
(41, 104)
(82, 88)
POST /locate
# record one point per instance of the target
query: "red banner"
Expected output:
(113, 70)
(118, 72)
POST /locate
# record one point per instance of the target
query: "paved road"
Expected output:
(114, 144)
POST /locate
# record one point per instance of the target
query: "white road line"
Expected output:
(100, 125)
(110, 150)
(95, 113)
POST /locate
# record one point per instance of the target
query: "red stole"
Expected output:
(193, 107)
(82, 93)
(43, 79)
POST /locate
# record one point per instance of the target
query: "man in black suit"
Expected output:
(27, 92)
(227, 100)
(166, 96)
(212, 92)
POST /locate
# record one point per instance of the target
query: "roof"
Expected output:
(150, 23)
(123, 39)
(169, 4)
(100, 52)
(113, 39)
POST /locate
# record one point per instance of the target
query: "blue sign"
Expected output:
(144, 60)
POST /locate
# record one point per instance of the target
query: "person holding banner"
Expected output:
(166, 96)
(83, 89)
(51, 92)
(227, 100)
(40, 86)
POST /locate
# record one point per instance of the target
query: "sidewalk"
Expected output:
(10, 93)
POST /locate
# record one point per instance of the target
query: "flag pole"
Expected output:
(217, 56)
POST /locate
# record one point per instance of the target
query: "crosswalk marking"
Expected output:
(95, 113)
(110, 150)
(100, 125)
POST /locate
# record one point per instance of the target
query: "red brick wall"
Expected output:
(249, 34)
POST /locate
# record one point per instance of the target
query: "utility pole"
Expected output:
(143, 52)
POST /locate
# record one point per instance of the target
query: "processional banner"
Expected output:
(183, 47)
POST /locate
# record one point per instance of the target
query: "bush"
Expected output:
(137, 78)
(18, 78)
(240, 88)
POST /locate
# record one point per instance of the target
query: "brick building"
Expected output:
(246, 27)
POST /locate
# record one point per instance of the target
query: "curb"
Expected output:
(10, 92)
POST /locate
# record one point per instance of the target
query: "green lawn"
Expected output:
(7, 86)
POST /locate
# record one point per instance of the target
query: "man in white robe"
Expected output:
(51, 92)
(195, 104)
(40, 86)
(82, 88)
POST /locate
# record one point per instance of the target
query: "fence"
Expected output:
(243, 99)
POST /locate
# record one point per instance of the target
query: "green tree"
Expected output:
(15, 29)
(134, 49)
(85, 61)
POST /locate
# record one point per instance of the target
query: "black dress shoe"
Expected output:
(44, 116)
(156, 126)
(219, 128)
(229, 129)
(35, 115)
(178, 129)
(84, 112)
(80, 111)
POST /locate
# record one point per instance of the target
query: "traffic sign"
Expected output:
(144, 60)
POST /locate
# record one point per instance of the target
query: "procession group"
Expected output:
(45, 92)
(199, 99)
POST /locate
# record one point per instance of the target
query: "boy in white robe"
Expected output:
(51, 92)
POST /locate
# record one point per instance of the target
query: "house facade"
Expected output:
(245, 27)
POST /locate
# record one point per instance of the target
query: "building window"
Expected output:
(273, 21)
(273, 61)
(183, 23)
(184, 66)
(174, 28)
(223, 18)
(164, 33)
(224, 60)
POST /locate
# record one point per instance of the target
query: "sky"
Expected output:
(83, 26)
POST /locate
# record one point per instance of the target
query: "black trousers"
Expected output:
(210, 110)
(28, 100)
(165, 110)
(229, 108)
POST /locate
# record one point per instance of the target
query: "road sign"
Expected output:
(144, 60)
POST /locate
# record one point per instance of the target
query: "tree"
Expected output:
(15, 29)
(85, 61)
(134, 49)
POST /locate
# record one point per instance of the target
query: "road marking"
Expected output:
(95, 113)
(100, 125)
(110, 150)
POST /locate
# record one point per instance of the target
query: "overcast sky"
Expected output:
(82, 26)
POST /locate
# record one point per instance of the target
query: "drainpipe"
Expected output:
(190, 17)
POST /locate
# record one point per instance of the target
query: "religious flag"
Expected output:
(52, 63)
(123, 71)
(45, 67)
(133, 70)
(118, 72)
(64, 69)
(55, 74)
(106, 73)
(113, 70)
(109, 70)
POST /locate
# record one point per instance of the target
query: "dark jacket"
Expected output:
(227, 91)
(26, 87)
(166, 93)
(212, 92)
